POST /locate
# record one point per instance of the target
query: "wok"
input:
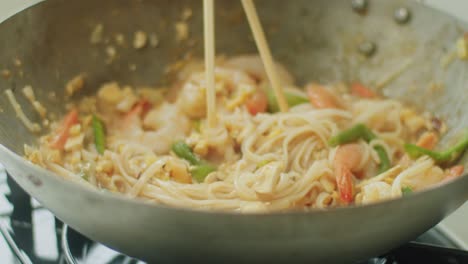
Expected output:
(316, 40)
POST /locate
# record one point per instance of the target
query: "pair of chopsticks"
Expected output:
(263, 48)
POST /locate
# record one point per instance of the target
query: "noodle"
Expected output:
(248, 162)
(33, 127)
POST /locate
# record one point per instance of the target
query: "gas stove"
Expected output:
(31, 234)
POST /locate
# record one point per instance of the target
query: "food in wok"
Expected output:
(339, 144)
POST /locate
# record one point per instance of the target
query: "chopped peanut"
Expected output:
(244, 92)
(389, 180)
(75, 130)
(182, 31)
(193, 139)
(140, 39)
(6, 74)
(153, 40)
(110, 93)
(75, 85)
(97, 34)
(128, 101)
(54, 155)
(412, 120)
(201, 148)
(105, 166)
(33, 155)
(178, 171)
(75, 158)
(87, 121)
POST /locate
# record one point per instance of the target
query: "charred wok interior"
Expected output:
(412, 64)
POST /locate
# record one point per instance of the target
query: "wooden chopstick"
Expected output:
(209, 38)
(265, 53)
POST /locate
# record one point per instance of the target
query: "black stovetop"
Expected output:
(30, 233)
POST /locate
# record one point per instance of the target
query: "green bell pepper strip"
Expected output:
(183, 151)
(353, 134)
(448, 156)
(99, 134)
(406, 191)
(383, 157)
(201, 168)
(361, 131)
(291, 99)
(200, 172)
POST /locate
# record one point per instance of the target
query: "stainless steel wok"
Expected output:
(316, 40)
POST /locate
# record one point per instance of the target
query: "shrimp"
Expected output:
(451, 174)
(60, 140)
(108, 96)
(347, 160)
(131, 124)
(192, 99)
(159, 128)
(253, 65)
(320, 97)
(167, 124)
(258, 103)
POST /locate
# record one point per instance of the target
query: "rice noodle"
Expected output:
(265, 162)
(31, 126)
